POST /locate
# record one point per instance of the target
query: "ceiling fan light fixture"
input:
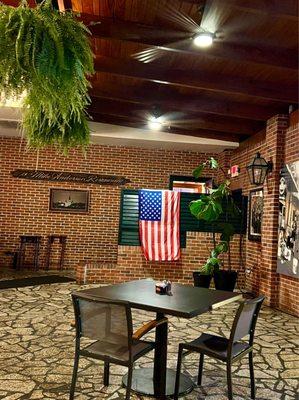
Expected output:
(203, 39)
(154, 124)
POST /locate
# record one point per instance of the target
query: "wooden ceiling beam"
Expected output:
(160, 39)
(287, 9)
(133, 123)
(176, 118)
(202, 80)
(173, 100)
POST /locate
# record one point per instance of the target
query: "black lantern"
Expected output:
(258, 170)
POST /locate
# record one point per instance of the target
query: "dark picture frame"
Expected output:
(255, 216)
(69, 200)
(288, 223)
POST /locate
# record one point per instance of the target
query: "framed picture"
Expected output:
(64, 200)
(288, 223)
(256, 205)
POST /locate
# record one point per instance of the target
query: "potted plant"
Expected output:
(210, 207)
(45, 61)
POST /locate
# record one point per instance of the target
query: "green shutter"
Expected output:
(128, 224)
(129, 228)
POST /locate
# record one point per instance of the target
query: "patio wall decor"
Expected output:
(255, 214)
(288, 234)
(74, 201)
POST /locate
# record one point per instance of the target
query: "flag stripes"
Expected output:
(159, 227)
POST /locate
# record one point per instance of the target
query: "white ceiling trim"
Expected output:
(115, 135)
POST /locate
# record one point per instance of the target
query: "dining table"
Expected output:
(185, 301)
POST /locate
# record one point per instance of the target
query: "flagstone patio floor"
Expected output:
(37, 349)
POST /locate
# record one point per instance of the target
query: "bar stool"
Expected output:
(29, 240)
(62, 242)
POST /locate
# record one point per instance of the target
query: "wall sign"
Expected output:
(234, 171)
(288, 225)
(56, 176)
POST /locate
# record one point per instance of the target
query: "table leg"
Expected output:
(160, 361)
(159, 381)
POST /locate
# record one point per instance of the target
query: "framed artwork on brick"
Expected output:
(72, 201)
(288, 223)
(256, 205)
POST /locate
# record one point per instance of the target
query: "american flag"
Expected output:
(159, 224)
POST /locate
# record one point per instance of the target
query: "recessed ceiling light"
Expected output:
(154, 124)
(203, 39)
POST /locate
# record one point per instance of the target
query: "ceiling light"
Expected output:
(203, 39)
(154, 124)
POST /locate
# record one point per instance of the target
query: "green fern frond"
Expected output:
(47, 54)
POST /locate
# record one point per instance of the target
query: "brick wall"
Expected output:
(93, 236)
(132, 265)
(280, 145)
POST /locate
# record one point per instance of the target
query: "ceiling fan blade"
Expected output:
(180, 19)
(153, 53)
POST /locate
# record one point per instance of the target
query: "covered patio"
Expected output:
(149, 174)
(37, 345)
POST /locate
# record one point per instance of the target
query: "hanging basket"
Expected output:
(45, 56)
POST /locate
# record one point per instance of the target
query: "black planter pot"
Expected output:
(201, 280)
(225, 280)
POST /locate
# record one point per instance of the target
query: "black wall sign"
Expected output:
(56, 176)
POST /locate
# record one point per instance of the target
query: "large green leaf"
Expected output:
(228, 231)
(213, 163)
(206, 208)
(198, 171)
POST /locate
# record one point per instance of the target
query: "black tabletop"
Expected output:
(186, 301)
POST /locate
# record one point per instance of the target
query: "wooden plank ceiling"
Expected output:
(145, 60)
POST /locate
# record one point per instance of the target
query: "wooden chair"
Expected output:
(226, 350)
(109, 325)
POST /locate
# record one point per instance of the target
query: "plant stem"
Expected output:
(229, 258)
(214, 236)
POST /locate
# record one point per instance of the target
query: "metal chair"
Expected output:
(226, 350)
(109, 325)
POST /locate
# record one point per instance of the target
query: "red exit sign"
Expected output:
(234, 171)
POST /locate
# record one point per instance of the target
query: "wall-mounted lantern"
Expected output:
(258, 170)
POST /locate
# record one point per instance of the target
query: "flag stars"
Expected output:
(150, 205)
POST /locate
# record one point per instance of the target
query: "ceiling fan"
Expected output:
(195, 35)
(191, 34)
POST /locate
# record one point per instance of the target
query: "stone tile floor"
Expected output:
(37, 347)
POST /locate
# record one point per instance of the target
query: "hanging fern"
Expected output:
(47, 55)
